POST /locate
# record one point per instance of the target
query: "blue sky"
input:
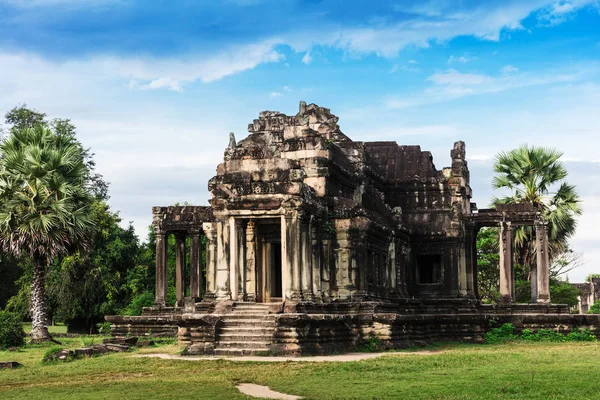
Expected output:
(155, 87)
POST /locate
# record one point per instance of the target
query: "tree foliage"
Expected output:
(84, 287)
(44, 205)
(488, 269)
(594, 308)
(536, 175)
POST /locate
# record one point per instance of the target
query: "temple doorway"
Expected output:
(269, 273)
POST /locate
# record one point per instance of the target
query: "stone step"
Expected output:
(250, 310)
(250, 323)
(247, 330)
(253, 337)
(249, 316)
(263, 306)
(255, 345)
(240, 352)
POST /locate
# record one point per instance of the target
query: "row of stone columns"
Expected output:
(236, 258)
(196, 277)
(540, 275)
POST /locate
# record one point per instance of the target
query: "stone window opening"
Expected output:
(429, 268)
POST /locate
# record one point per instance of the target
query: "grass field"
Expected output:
(58, 328)
(509, 371)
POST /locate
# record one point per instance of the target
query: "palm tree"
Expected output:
(44, 205)
(535, 175)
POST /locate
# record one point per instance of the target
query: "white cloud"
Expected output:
(460, 60)
(413, 62)
(307, 59)
(52, 3)
(173, 74)
(287, 89)
(453, 84)
(510, 69)
(455, 78)
(561, 11)
(275, 94)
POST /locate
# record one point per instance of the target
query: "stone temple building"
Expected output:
(314, 242)
(589, 294)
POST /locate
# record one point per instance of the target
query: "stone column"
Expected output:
(470, 255)
(179, 269)
(233, 259)
(506, 262)
(196, 280)
(461, 254)
(161, 269)
(315, 260)
(223, 254)
(250, 261)
(543, 267)
(343, 265)
(290, 253)
(211, 258)
(391, 265)
(305, 263)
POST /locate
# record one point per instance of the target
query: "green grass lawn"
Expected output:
(510, 371)
(58, 328)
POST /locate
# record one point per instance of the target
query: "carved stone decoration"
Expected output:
(232, 143)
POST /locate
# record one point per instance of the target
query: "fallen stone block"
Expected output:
(117, 347)
(129, 341)
(9, 365)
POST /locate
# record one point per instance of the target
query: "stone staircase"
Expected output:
(246, 331)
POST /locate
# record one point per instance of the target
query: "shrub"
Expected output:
(145, 299)
(11, 330)
(595, 308)
(581, 336)
(103, 328)
(372, 345)
(507, 332)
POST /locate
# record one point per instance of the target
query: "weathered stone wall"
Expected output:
(156, 326)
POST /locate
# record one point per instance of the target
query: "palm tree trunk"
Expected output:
(39, 328)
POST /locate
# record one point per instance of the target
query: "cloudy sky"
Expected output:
(155, 87)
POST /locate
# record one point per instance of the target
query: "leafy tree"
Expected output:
(535, 175)
(589, 278)
(562, 292)
(45, 203)
(488, 269)
(85, 287)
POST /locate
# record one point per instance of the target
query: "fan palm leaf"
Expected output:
(44, 205)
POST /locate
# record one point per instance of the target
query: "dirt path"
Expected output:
(264, 392)
(334, 358)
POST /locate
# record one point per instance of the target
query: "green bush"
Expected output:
(145, 299)
(507, 332)
(103, 328)
(372, 345)
(581, 336)
(11, 330)
(595, 308)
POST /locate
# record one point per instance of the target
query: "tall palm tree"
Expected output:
(44, 205)
(536, 175)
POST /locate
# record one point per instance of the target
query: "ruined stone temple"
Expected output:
(314, 242)
(589, 294)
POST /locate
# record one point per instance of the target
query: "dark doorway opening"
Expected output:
(276, 276)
